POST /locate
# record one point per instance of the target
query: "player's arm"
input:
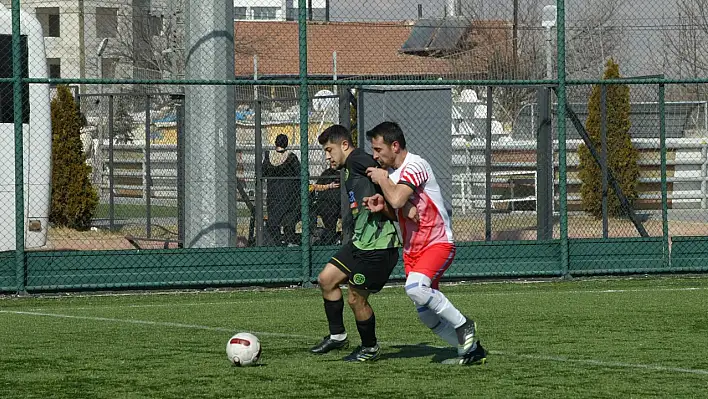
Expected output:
(389, 212)
(396, 194)
(378, 204)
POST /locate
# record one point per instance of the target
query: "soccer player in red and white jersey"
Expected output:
(410, 187)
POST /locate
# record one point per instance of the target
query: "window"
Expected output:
(106, 22)
(6, 92)
(318, 14)
(155, 25)
(49, 19)
(240, 13)
(264, 13)
(54, 65)
(108, 68)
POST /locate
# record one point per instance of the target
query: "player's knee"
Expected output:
(420, 294)
(327, 281)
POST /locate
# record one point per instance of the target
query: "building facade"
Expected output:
(74, 30)
(279, 10)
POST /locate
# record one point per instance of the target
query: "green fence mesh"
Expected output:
(147, 135)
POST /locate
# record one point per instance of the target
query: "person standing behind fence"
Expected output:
(326, 203)
(282, 169)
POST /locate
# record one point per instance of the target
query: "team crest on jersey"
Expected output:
(353, 205)
(359, 279)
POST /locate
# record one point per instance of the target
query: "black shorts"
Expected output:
(367, 270)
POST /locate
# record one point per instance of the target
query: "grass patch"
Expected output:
(580, 339)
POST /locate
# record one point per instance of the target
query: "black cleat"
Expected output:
(478, 355)
(364, 354)
(329, 344)
(466, 337)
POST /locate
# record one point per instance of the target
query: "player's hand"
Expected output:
(375, 203)
(377, 175)
(411, 212)
(333, 185)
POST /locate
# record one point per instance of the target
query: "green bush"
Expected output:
(621, 154)
(74, 199)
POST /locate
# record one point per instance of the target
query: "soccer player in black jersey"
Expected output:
(366, 262)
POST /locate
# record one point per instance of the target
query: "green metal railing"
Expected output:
(564, 255)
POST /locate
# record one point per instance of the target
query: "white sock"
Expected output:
(440, 327)
(418, 289)
(338, 337)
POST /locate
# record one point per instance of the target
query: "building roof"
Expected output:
(363, 49)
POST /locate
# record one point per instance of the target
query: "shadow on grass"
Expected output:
(419, 350)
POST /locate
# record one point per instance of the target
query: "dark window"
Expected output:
(49, 19)
(53, 25)
(240, 12)
(318, 14)
(54, 65)
(155, 25)
(106, 22)
(6, 92)
(264, 13)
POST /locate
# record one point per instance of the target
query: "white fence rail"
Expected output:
(514, 165)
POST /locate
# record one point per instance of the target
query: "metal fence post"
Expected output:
(17, 55)
(544, 166)
(304, 145)
(562, 154)
(664, 186)
(148, 179)
(488, 168)
(111, 184)
(258, 206)
(180, 168)
(603, 156)
(704, 176)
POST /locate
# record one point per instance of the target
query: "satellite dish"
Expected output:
(548, 16)
(324, 99)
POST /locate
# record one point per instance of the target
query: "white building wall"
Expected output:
(66, 46)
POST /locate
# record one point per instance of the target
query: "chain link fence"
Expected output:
(567, 138)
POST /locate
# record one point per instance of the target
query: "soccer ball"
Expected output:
(243, 349)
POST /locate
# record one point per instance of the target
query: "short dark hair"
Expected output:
(335, 134)
(390, 131)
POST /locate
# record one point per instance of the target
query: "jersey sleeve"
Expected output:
(361, 163)
(414, 175)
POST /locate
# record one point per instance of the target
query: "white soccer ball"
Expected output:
(243, 349)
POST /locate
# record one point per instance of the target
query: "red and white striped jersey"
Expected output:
(435, 225)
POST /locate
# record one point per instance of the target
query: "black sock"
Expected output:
(335, 315)
(367, 331)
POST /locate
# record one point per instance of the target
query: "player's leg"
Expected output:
(289, 235)
(428, 317)
(440, 327)
(421, 287)
(334, 274)
(272, 231)
(370, 274)
(365, 324)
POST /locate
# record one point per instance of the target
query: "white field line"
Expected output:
(375, 298)
(590, 362)
(296, 288)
